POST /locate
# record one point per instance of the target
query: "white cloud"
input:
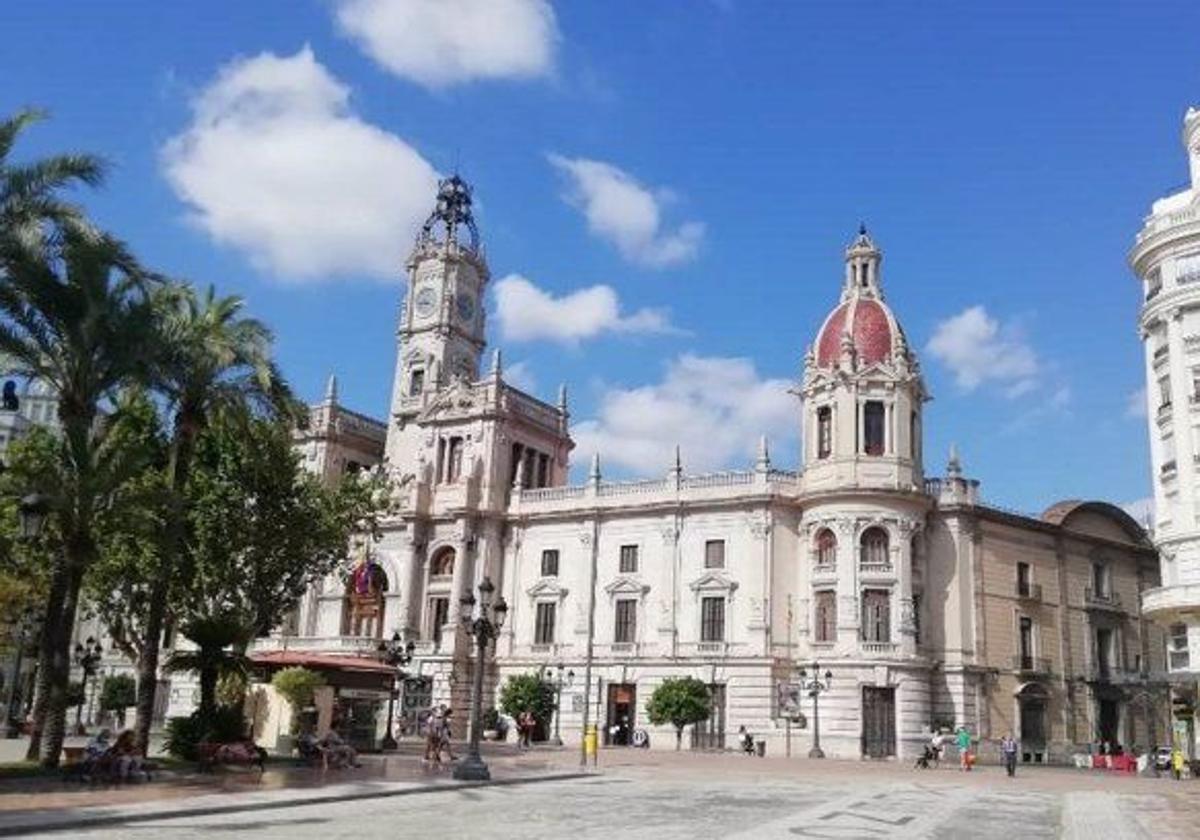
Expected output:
(527, 313)
(978, 350)
(1056, 405)
(520, 376)
(439, 43)
(1136, 404)
(275, 164)
(618, 208)
(714, 408)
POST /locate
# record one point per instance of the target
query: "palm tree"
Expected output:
(74, 313)
(212, 359)
(219, 640)
(29, 193)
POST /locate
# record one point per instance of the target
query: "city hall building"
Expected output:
(928, 607)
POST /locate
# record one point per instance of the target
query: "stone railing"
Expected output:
(1156, 224)
(875, 569)
(555, 494)
(354, 645)
(718, 479)
(541, 413)
(632, 488)
(878, 647)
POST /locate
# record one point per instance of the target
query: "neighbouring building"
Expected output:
(929, 607)
(1166, 259)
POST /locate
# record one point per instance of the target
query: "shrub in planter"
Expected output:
(222, 725)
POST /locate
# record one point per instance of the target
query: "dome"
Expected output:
(870, 325)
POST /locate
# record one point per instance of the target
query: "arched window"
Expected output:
(824, 431)
(442, 564)
(364, 603)
(826, 548)
(873, 427)
(874, 546)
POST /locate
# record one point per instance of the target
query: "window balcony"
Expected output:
(626, 650)
(879, 648)
(1029, 591)
(1023, 664)
(1093, 599)
(1163, 412)
(876, 569)
(1167, 470)
(1178, 660)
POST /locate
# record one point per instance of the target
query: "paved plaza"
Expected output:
(662, 795)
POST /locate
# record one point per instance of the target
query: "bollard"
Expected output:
(589, 741)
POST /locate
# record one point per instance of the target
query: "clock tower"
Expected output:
(441, 325)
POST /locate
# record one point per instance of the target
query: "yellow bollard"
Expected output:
(589, 741)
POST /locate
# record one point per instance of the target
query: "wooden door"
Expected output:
(879, 722)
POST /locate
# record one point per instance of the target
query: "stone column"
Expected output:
(410, 584)
(847, 586)
(902, 557)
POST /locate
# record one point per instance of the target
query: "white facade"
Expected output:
(1166, 258)
(855, 562)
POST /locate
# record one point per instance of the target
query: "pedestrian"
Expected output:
(526, 723)
(447, 733)
(433, 737)
(1008, 747)
(937, 744)
(1177, 763)
(963, 741)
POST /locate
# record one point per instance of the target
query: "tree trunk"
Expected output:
(52, 620)
(60, 664)
(678, 738)
(208, 690)
(147, 683)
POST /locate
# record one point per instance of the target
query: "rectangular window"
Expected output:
(1100, 580)
(1178, 657)
(1104, 652)
(712, 620)
(1023, 580)
(1026, 643)
(416, 383)
(825, 618)
(873, 423)
(543, 633)
(550, 562)
(877, 619)
(1164, 392)
(625, 626)
(543, 469)
(629, 559)
(1153, 284)
(824, 431)
(1187, 269)
(439, 610)
(714, 554)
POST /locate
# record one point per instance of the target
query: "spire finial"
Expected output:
(331, 388)
(562, 398)
(497, 366)
(594, 473)
(862, 228)
(764, 456)
(954, 464)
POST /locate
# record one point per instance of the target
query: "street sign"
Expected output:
(788, 699)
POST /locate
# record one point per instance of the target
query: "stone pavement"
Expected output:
(663, 795)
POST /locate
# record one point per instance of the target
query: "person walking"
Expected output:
(937, 744)
(963, 741)
(1177, 763)
(525, 726)
(433, 737)
(1008, 747)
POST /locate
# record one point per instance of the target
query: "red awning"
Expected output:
(320, 661)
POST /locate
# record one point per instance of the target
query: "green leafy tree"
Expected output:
(219, 640)
(117, 693)
(528, 692)
(296, 685)
(30, 193)
(30, 465)
(211, 360)
(75, 315)
(680, 702)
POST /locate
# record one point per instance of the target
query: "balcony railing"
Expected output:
(875, 568)
(1168, 468)
(1103, 600)
(1031, 664)
(1107, 673)
(1029, 591)
(879, 647)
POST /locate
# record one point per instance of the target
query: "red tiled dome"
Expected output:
(871, 329)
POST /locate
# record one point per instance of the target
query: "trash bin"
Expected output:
(761, 748)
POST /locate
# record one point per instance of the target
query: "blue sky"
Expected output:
(703, 164)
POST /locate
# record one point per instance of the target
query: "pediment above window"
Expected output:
(546, 590)
(714, 581)
(626, 585)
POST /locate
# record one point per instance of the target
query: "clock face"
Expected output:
(466, 307)
(426, 300)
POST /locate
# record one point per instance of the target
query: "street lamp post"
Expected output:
(558, 684)
(397, 654)
(23, 631)
(815, 686)
(484, 629)
(87, 657)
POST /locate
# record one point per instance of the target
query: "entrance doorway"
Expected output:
(1033, 699)
(622, 711)
(710, 734)
(1109, 721)
(879, 722)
